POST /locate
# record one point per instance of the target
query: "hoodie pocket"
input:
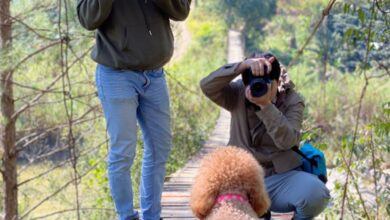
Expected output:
(125, 39)
(137, 43)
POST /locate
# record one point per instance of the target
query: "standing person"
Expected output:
(133, 42)
(268, 125)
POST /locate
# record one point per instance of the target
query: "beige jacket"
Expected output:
(269, 133)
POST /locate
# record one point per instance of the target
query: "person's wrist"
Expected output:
(264, 104)
(242, 66)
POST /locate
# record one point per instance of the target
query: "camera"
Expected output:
(259, 84)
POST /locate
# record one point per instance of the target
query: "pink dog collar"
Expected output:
(231, 196)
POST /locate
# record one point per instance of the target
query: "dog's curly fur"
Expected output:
(229, 170)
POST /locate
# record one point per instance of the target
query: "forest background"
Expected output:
(53, 138)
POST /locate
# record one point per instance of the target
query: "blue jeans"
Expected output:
(127, 97)
(297, 191)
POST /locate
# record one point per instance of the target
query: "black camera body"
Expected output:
(259, 84)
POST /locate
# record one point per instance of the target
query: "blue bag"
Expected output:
(313, 161)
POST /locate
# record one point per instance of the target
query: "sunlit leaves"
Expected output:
(361, 15)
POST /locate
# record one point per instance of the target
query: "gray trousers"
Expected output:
(297, 191)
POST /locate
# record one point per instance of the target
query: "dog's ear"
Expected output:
(202, 198)
(207, 183)
(258, 197)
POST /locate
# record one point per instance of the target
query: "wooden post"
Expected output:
(8, 150)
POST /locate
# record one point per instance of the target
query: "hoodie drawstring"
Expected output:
(142, 6)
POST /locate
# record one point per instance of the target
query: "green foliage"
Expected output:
(74, 95)
(289, 28)
(192, 113)
(249, 16)
(251, 12)
(381, 123)
(345, 35)
(331, 103)
(332, 98)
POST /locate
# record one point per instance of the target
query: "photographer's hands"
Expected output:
(256, 65)
(266, 99)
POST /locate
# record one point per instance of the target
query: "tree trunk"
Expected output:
(8, 155)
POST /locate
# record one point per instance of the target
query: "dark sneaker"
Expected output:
(266, 216)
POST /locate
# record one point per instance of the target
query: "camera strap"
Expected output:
(312, 162)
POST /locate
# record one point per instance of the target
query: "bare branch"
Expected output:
(35, 53)
(44, 133)
(52, 90)
(75, 99)
(58, 126)
(354, 181)
(35, 88)
(60, 164)
(325, 13)
(72, 210)
(27, 26)
(36, 98)
(378, 76)
(80, 60)
(43, 156)
(362, 94)
(58, 191)
(182, 85)
(42, 93)
(374, 165)
(383, 11)
(35, 8)
(384, 67)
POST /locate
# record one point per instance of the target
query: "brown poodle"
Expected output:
(229, 185)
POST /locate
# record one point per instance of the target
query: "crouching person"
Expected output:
(267, 116)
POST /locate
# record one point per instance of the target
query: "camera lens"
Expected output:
(258, 87)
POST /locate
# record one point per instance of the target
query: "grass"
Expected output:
(193, 116)
(332, 107)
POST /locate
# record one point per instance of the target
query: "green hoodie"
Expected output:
(132, 34)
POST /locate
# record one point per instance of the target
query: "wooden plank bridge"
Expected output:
(176, 194)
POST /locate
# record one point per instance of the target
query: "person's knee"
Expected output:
(118, 163)
(161, 145)
(314, 203)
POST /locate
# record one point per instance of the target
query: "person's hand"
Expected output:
(256, 65)
(266, 99)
